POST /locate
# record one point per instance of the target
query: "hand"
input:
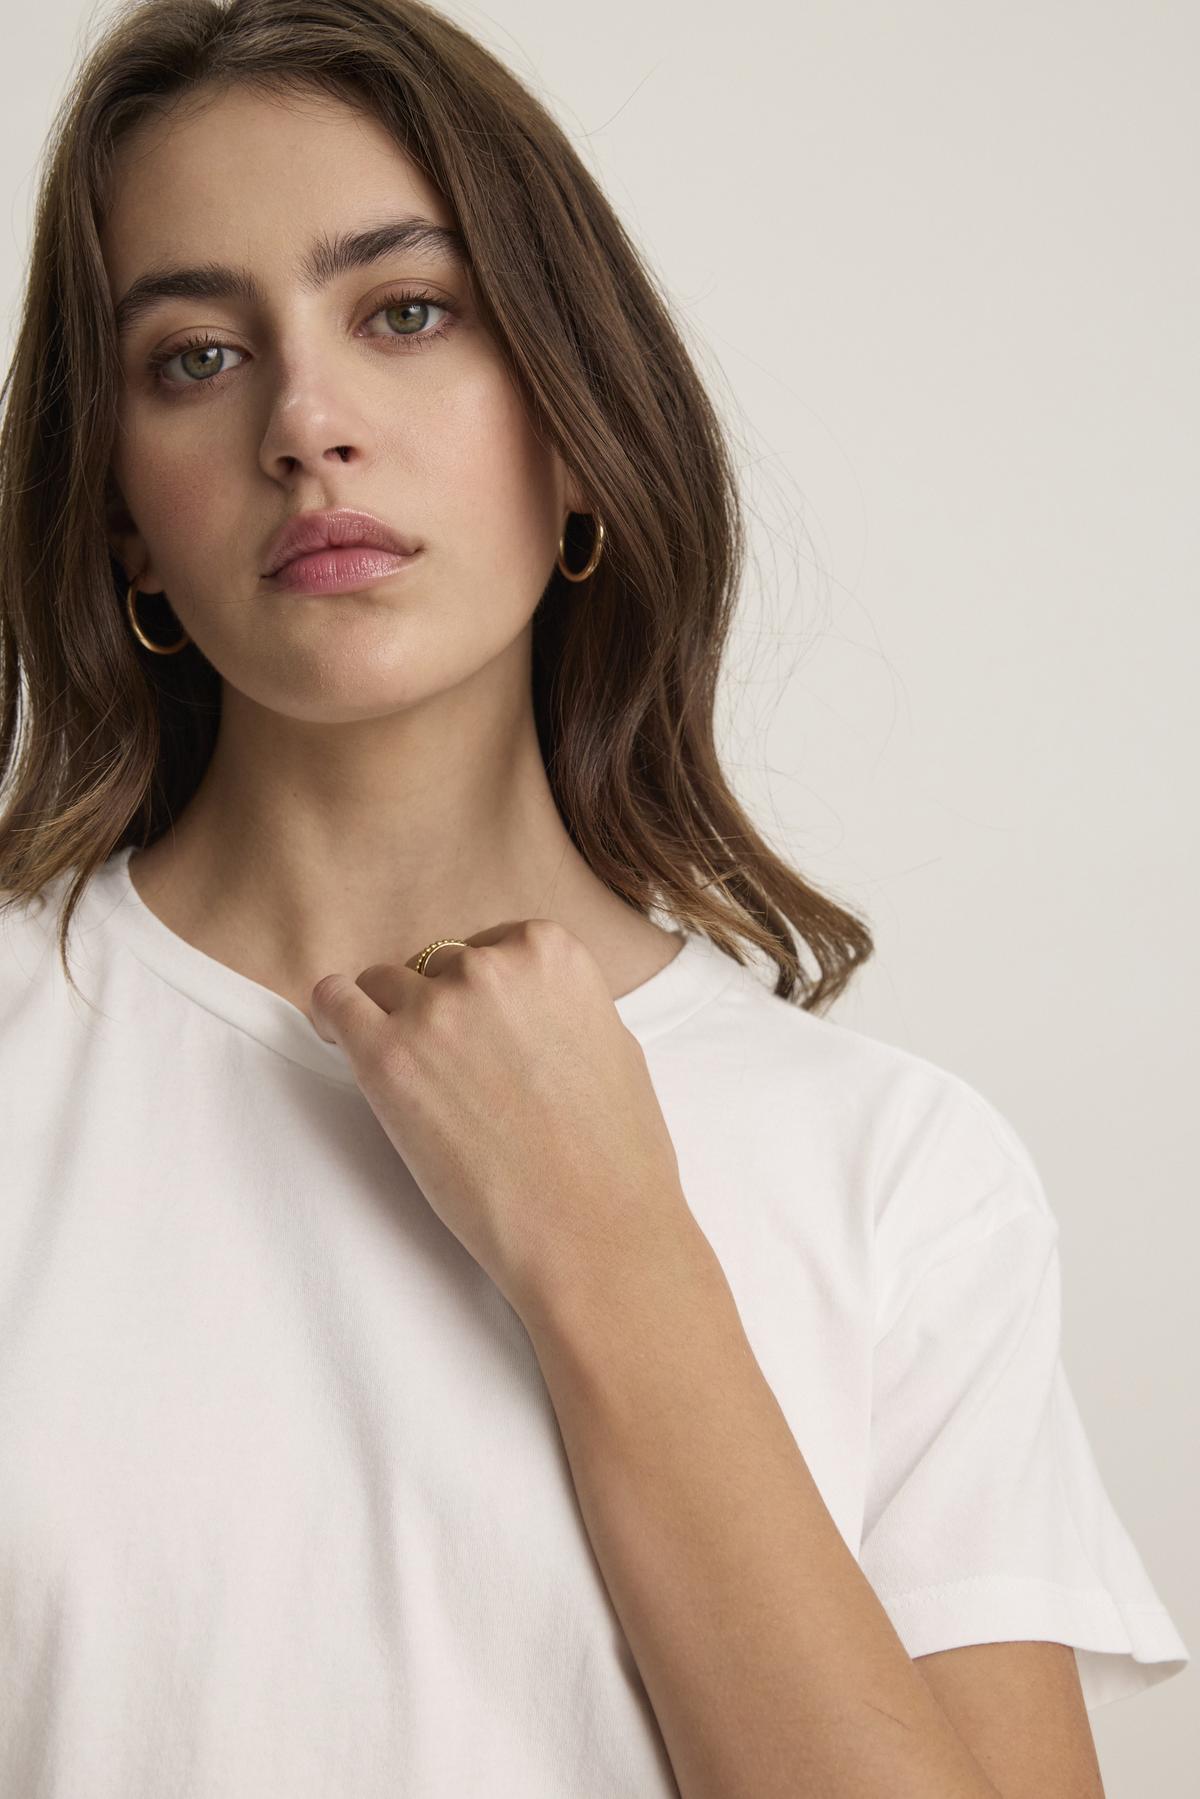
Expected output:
(520, 1103)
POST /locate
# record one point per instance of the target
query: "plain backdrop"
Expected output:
(939, 266)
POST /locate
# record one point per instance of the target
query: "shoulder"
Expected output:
(912, 1096)
(925, 1142)
(29, 956)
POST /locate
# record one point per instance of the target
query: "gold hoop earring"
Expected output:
(160, 649)
(593, 560)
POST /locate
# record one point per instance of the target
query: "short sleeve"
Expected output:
(986, 1518)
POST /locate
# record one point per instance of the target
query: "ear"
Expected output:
(572, 496)
(125, 541)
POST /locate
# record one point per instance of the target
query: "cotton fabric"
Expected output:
(283, 1503)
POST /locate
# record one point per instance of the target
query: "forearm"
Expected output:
(771, 1666)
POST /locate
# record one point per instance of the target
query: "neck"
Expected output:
(309, 849)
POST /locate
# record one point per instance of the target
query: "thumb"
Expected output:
(332, 1011)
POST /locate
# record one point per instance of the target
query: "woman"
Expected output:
(463, 1331)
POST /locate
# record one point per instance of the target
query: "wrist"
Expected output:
(597, 1303)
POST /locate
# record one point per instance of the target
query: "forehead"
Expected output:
(232, 175)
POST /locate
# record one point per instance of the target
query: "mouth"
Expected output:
(335, 529)
(340, 569)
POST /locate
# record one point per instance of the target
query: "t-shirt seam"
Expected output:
(885, 1594)
(1020, 1216)
(705, 999)
(153, 967)
(234, 1024)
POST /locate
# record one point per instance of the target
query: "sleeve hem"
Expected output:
(1121, 1646)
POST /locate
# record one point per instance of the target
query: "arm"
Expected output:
(771, 1666)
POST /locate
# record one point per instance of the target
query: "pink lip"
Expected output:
(340, 528)
(340, 570)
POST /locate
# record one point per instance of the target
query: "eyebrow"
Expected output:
(327, 258)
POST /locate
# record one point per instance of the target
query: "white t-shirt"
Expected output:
(284, 1508)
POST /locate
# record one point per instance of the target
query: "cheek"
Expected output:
(182, 493)
(494, 488)
(183, 499)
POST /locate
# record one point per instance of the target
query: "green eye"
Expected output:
(203, 371)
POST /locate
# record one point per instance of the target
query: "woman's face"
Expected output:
(218, 446)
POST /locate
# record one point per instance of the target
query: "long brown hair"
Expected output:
(102, 743)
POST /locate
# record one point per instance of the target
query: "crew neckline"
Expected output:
(112, 904)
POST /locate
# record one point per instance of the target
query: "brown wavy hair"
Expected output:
(101, 745)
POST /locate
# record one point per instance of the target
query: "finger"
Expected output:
(449, 953)
(342, 1012)
(439, 961)
(390, 984)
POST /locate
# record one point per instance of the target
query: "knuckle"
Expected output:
(548, 936)
(484, 963)
(374, 968)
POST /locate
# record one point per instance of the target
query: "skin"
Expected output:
(377, 780)
(378, 783)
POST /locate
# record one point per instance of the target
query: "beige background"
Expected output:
(935, 262)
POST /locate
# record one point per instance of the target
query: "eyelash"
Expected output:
(206, 341)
